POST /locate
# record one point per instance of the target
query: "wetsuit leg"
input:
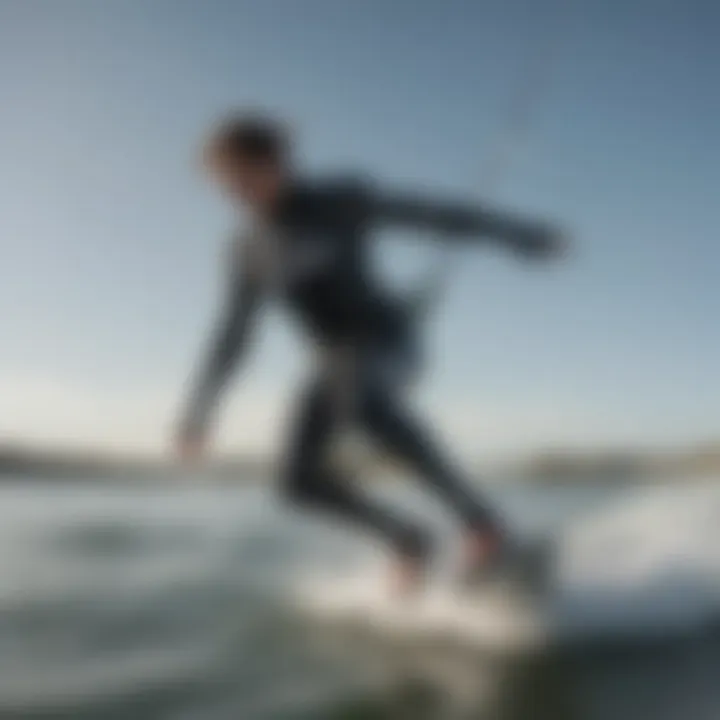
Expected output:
(312, 481)
(387, 419)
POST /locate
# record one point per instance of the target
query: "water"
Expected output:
(176, 602)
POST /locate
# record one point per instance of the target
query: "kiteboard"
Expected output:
(507, 609)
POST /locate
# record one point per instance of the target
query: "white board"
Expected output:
(492, 618)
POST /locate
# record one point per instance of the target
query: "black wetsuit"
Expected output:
(313, 255)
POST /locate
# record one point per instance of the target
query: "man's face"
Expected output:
(254, 184)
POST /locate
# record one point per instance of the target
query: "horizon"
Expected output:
(71, 451)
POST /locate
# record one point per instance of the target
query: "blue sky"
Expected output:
(111, 238)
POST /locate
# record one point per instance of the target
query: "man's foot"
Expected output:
(409, 570)
(484, 551)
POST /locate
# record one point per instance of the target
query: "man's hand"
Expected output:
(190, 447)
(540, 242)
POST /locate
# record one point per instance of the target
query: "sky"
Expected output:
(111, 238)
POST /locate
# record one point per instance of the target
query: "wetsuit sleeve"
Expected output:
(228, 344)
(463, 222)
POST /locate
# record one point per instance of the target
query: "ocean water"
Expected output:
(180, 602)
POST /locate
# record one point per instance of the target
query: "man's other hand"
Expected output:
(541, 242)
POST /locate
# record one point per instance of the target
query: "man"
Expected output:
(307, 244)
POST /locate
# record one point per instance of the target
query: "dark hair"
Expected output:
(251, 138)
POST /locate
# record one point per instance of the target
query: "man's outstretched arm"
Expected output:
(466, 222)
(229, 343)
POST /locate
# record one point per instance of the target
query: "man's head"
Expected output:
(249, 156)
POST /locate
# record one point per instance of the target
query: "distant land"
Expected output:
(628, 463)
(545, 467)
(32, 462)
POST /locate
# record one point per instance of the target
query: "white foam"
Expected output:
(649, 564)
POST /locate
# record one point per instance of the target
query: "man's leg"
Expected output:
(485, 542)
(311, 481)
(383, 372)
(396, 429)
